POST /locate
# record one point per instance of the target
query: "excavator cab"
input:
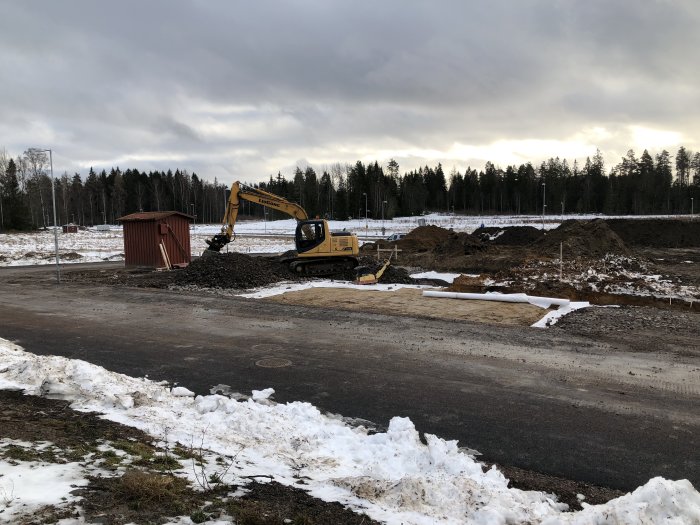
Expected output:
(310, 234)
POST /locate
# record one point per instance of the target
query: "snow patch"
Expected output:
(392, 476)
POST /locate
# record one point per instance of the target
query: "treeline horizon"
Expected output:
(635, 186)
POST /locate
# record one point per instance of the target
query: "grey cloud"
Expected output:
(115, 79)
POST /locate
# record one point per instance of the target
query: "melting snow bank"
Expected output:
(391, 476)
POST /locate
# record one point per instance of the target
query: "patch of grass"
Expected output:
(199, 516)
(251, 513)
(134, 448)
(50, 514)
(187, 453)
(80, 451)
(110, 459)
(17, 453)
(165, 463)
(143, 490)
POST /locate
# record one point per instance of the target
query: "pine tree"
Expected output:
(17, 214)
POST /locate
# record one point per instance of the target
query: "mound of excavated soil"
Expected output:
(581, 239)
(511, 236)
(423, 239)
(234, 270)
(519, 236)
(440, 241)
(657, 233)
(460, 244)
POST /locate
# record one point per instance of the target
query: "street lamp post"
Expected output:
(383, 230)
(544, 200)
(366, 223)
(194, 217)
(55, 222)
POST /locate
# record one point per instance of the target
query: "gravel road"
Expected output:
(578, 401)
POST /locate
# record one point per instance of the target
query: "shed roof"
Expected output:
(152, 216)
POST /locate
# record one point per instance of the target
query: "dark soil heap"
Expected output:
(460, 244)
(519, 236)
(658, 233)
(512, 235)
(581, 239)
(234, 270)
(424, 239)
(440, 241)
(239, 271)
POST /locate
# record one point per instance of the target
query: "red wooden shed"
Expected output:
(145, 231)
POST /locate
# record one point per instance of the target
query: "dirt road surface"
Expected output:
(610, 411)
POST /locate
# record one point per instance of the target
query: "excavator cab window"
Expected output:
(309, 234)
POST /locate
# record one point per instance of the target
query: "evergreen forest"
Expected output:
(645, 184)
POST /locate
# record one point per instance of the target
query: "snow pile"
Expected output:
(392, 476)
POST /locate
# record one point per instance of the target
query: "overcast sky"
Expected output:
(244, 89)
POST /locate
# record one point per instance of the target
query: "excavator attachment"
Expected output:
(217, 242)
(373, 278)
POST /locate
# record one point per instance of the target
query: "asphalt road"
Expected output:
(543, 400)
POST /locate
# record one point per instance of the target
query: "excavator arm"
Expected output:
(241, 192)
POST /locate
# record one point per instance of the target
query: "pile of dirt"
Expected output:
(234, 270)
(519, 236)
(456, 244)
(423, 239)
(510, 235)
(581, 239)
(657, 233)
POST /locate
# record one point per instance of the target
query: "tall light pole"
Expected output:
(544, 200)
(383, 203)
(55, 222)
(366, 223)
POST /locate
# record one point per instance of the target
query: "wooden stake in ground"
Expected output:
(561, 259)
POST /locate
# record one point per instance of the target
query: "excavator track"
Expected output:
(322, 266)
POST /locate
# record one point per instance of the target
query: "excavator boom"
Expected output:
(318, 250)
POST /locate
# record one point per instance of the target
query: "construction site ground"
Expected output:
(410, 302)
(600, 402)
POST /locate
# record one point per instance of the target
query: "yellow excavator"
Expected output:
(319, 251)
